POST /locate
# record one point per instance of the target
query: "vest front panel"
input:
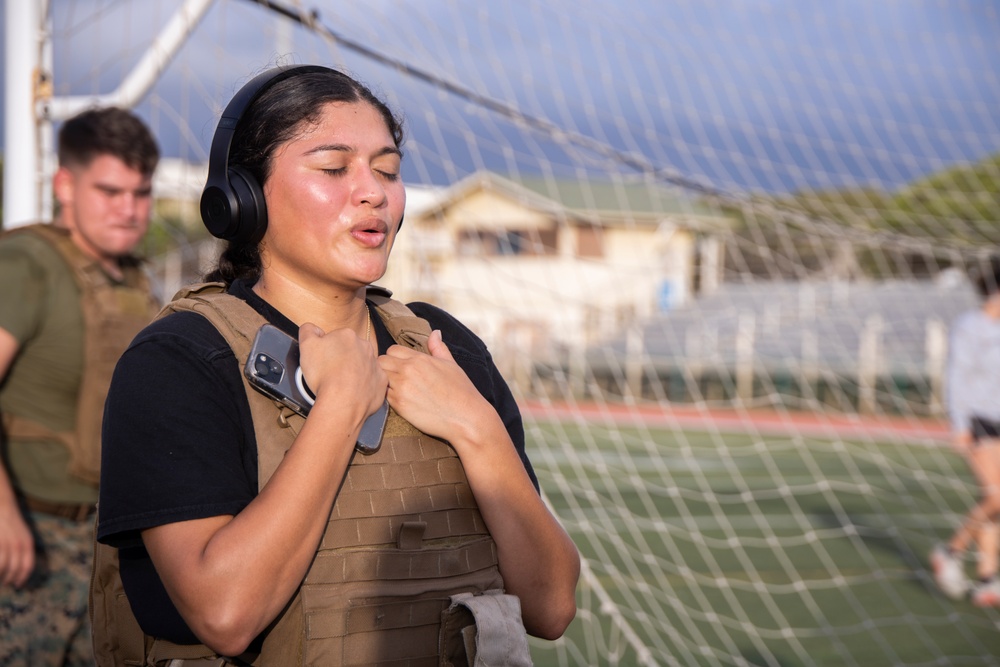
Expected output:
(113, 313)
(405, 534)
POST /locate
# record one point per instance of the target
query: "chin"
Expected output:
(124, 245)
(373, 275)
(122, 250)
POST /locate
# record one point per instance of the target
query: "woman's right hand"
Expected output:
(342, 366)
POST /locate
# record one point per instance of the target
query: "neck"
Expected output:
(327, 310)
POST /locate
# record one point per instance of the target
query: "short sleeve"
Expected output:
(23, 285)
(178, 437)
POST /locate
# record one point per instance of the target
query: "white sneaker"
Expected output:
(986, 594)
(948, 573)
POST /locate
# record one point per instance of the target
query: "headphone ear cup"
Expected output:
(232, 203)
(217, 210)
(251, 209)
(234, 210)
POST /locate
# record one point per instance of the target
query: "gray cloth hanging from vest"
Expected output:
(484, 631)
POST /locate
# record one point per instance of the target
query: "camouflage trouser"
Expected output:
(45, 622)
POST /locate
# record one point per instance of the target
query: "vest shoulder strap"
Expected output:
(236, 321)
(86, 272)
(59, 239)
(405, 327)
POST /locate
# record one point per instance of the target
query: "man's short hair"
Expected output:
(986, 275)
(108, 131)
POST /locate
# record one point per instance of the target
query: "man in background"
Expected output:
(72, 296)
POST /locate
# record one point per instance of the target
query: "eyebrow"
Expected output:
(344, 148)
(115, 189)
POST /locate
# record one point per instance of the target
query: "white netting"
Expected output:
(716, 256)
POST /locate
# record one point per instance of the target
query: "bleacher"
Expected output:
(869, 344)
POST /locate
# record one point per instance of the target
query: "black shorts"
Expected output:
(984, 429)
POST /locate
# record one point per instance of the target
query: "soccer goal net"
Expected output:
(715, 247)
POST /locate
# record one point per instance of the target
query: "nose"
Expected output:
(368, 189)
(126, 205)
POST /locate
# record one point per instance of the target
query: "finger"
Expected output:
(27, 564)
(17, 567)
(387, 363)
(401, 352)
(437, 347)
(309, 330)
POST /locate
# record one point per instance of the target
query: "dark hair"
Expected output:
(275, 118)
(985, 276)
(108, 131)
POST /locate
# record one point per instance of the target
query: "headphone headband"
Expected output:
(232, 202)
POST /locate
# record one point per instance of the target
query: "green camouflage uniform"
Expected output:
(36, 619)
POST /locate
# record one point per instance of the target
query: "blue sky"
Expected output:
(739, 94)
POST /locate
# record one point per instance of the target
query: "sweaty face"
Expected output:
(334, 200)
(106, 206)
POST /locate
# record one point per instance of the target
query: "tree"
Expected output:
(937, 221)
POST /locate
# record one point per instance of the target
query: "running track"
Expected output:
(774, 422)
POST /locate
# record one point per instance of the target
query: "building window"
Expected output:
(589, 241)
(523, 243)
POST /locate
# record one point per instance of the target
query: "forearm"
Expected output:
(8, 498)
(17, 546)
(538, 561)
(251, 564)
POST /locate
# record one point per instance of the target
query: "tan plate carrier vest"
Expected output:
(112, 315)
(404, 538)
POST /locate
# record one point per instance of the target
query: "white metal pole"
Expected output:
(43, 125)
(143, 75)
(22, 161)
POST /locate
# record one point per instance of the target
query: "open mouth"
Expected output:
(371, 236)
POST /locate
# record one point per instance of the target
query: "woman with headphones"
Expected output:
(249, 533)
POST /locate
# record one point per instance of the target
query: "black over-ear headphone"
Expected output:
(232, 203)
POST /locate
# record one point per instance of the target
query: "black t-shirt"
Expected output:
(179, 442)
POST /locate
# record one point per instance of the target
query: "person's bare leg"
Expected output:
(985, 460)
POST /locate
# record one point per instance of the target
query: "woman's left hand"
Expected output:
(538, 560)
(431, 391)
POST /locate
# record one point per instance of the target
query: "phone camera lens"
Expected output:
(267, 368)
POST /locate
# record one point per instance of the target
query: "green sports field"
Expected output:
(711, 548)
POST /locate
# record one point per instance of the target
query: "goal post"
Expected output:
(715, 248)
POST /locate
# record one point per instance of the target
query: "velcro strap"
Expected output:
(391, 565)
(411, 535)
(405, 327)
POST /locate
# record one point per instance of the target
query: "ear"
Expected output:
(63, 185)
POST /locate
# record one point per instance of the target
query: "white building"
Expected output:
(536, 265)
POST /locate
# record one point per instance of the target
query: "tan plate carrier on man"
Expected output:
(113, 313)
(406, 572)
